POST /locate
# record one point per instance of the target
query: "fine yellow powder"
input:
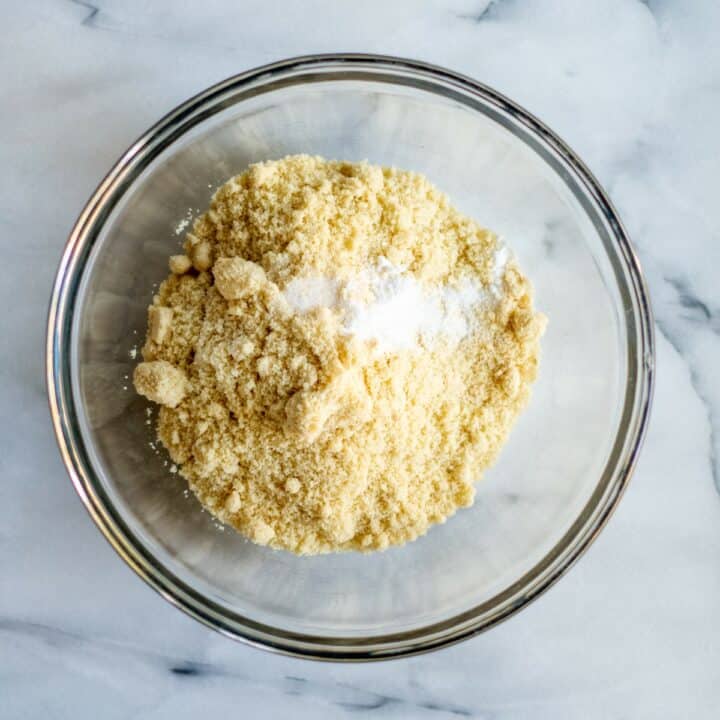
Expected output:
(296, 433)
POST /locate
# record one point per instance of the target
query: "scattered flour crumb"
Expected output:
(183, 223)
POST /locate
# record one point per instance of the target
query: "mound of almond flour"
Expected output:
(296, 432)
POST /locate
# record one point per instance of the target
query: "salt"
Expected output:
(385, 304)
(304, 294)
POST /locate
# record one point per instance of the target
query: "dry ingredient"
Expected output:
(338, 356)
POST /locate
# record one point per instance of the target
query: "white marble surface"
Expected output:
(634, 630)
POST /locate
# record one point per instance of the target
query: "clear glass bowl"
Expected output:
(568, 459)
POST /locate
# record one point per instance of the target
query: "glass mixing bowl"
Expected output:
(567, 461)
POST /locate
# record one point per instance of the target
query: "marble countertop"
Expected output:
(633, 630)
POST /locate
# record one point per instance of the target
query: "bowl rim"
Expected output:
(586, 527)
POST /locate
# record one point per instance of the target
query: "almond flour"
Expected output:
(292, 417)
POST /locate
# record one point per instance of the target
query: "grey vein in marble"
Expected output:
(485, 13)
(92, 11)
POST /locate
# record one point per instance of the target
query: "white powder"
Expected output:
(503, 255)
(304, 294)
(183, 222)
(386, 305)
(393, 308)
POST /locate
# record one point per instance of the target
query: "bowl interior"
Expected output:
(559, 450)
